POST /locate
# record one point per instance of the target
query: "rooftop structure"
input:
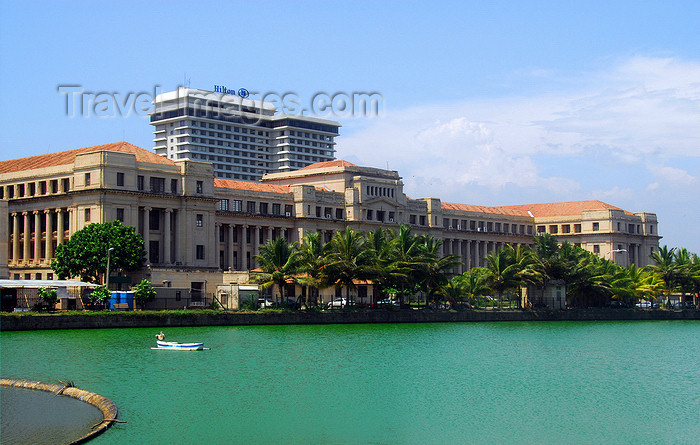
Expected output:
(242, 138)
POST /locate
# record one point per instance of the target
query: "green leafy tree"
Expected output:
(144, 292)
(502, 273)
(85, 253)
(312, 254)
(100, 296)
(665, 266)
(49, 297)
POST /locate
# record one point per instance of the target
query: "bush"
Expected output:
(100, 296)
(48, 297)
(144, 292)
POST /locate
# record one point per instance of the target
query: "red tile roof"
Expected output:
(336, 163)
(68, 157)
(569, 208)
(252, 186)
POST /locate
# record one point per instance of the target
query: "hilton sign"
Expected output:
(241, 92)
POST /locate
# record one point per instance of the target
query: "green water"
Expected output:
(616, 382)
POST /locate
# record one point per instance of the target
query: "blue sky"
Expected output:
(491, 103)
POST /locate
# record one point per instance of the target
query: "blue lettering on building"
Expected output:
(241, 92)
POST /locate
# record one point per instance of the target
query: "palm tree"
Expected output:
(665, 266)
(406, 261)
(434, 268)
(474, 283)
(348, 260)
(526, 264)
(502, 273)
(312, 255)
(279, 261)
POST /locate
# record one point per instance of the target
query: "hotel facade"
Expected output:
(202, 230)
(242, 138)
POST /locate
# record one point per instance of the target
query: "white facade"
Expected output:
(242, 138)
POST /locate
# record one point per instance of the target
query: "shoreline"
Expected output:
(24, 322)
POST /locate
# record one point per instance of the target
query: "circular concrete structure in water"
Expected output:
(107, 407)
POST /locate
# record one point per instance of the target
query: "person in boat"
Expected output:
(160, 336)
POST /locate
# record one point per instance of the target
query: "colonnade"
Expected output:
(36, 233)
(471, 253)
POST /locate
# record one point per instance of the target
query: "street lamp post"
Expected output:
(109, 252)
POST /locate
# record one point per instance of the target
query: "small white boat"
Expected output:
(173, 345)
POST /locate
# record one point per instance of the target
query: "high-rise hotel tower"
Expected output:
(243, 138)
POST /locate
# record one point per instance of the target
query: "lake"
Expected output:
(508, 382)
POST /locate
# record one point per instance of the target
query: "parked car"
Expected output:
(338, 302)
(644, 304)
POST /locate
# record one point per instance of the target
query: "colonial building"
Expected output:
(200, 230)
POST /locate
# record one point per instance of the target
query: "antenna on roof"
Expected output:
(185, 80)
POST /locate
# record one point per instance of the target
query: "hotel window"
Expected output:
(276, 209)
(577, 228)
(318, 212)
(412, 219)
(173, 186)
(489, 226)
(651, 229)
(120, 215)
(596, 248)
(199, 222)
(42, 187)
(250, 206)
(540, 229)
(618, 227)
(566, 228)
(422, 220)
(139, 182)
(200, 187)
(498, 227)
(87, 215)
(87, 179)
(54, 186)
(596, 226)
(120, 179)
(369, 215)
(631, 228)
(553, 228)
(237, 205)
(223, 204)
(263, 208)
(20, 191)
(65, 184)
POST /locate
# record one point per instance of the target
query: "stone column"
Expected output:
(269, 233)
(243, 243)
(146, 232)
(61, 223)
(256, 246)
(457, 245)
(37, 237)
(300, 232)
(167, 254)
(49, 235)
(468, 255)
(15, 238)
(27, 237)
(229, 245)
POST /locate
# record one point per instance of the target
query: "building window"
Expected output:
(412, 219)
(200, 251)
(87, 215)
(540, 229)
(154, 252)
(154, 220)
(250, 206)
(139, 182)
(651, 229)
(263, 208)
(276, 209)
(577, 228)
(49, 276)
(42, 187)
(200, 220)
(596, 248)
(596, 226)
(422, 220)
(553, 228)
(157, 185)
(237, 205)
(223, 204)
(54, 186)
(565, 228)
(65, 184)
(173, 186)
(20, 191)
(120, 215)
(200, 187)
(87, 179)
(120, 179)
(338, 213)
(369, 215)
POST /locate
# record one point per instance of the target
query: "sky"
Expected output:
(489, 103)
